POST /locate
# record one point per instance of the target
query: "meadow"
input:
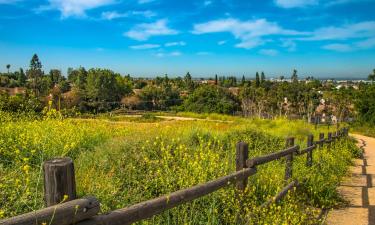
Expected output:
(123, 162)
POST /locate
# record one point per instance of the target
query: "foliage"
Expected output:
(210, 99)
(125, 163)
(365, 103)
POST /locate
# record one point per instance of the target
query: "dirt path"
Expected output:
(358, 190)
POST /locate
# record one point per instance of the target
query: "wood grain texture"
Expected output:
(62, 214)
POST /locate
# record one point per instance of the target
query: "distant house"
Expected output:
(13, 91)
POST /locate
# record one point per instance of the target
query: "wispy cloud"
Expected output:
(295, 3)
(269, 52)
(222, 42)
(358, 45)
(289, 44)
(144, 31)
(207, 3)
(111, 15)
(338, 47)
(75, 8)
(250, 32)
(144, 46)
(171, 54)
(356, 30)
(178, 43)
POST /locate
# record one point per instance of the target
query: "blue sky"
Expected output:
(322, 38)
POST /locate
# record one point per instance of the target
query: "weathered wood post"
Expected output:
(289, 159)
(310, 142)
(59, 181)
(321, 138)
(242, 154)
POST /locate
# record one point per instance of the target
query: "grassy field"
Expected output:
(123, 162)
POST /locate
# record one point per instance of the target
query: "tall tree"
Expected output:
(243, 80)
(262, 78)
(371, 77)
(35, 73)
(294, 77)
(8, 67)
(21, 77)
(216, 79)
(257, 80)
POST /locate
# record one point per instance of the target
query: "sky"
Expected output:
(320, 38)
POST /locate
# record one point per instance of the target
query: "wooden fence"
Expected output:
(59, 185)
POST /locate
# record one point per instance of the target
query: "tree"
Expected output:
(216, 79)
(35, 73)
(257, 80)
(8, 67)
(188, 81)
(55, 76)
(211, 99)
(262, 78)
(294, 77)
(371, 77)
(282, 78)
(21, 77)
(243, 80)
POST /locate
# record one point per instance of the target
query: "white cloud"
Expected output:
(144, 31)
(171, 44)
(356, 30)
(338, 47)
(175, 54)
(113, 15)
(74, 7)
(366, 44)
(222, 42)
(171, 54)
(207, 3)
(249, 32)
(144, 46)
(289, 44)
(295, 3)
(269, 52)
(147, 13)
(110, 15)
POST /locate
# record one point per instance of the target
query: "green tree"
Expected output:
(294, 77)
(211, 99)
(35, 73)
(262, 78)
(21, 77)
(257, 80)
(8, 67)
(371, 77)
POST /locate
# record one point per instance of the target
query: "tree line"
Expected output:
(101, 90)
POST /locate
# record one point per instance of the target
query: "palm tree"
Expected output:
(8, 67)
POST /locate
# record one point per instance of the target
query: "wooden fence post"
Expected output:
(310, 142)
(59, 181)
(321, 137)
(289, 159)
(242, 154)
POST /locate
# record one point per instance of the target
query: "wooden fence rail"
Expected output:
(59, 184)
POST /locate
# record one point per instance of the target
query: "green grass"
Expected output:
(126, 163)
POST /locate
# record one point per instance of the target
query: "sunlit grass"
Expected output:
(125, 163)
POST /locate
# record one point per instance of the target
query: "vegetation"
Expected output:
(125, 163)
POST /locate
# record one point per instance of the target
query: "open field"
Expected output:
(125, 162)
